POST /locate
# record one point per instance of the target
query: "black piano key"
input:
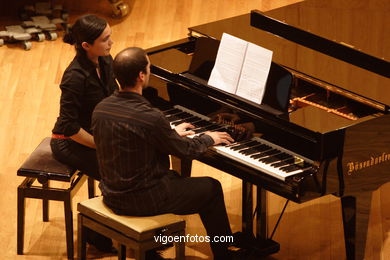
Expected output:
(178, 122)
(295, 168)
(187, 120)
(275, 158)
(239, 143)
(272, 152)
(198, 130)
(283, 156)
(245, 145)
(181, 115)
(172, 111)
(212, 127)
(250, 150)
(290, 168)
(173, 118)
(270, 159)
(256, 149)
(283, 163)
(202, 123)
(264, 154)
(285, 166)
(194, 119)
(220, 129)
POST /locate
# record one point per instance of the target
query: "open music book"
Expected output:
(241, 68)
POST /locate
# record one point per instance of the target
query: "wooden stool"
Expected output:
(137, 233)
(42, 166)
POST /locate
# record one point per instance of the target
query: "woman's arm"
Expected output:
(84, 138)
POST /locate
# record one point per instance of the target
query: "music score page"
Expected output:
(241, 68)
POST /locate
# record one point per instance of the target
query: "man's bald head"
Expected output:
(128, 64)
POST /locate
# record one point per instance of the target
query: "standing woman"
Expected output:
(87, 80)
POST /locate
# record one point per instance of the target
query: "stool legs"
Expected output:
(109, 229)
(180, 248)
(27, 190)
(20, 232)
(81, 239)
(122, 252)
(91, 188)
(69, 225)
(45, 204)
(139, 255)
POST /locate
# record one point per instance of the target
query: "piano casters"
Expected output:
(119, 8)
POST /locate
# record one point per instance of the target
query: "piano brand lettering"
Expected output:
(356, 166)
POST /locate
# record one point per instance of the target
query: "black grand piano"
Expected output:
(323, 126)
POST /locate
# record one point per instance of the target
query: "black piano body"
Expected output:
(336, 124)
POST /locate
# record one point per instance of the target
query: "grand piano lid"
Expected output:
(360, 24)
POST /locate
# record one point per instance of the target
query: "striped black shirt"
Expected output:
(133, 141)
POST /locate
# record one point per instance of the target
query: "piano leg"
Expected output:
(261, 220)
(356, 211)
(186, 166)
(260, 245)
(181, 166)
(247, 208)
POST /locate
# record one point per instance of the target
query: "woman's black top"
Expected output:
(81, 91)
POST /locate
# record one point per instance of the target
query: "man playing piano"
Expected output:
(133, 141)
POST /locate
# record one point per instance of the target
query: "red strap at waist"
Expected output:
(55, 136)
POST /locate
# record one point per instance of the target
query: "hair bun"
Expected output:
(68, 37)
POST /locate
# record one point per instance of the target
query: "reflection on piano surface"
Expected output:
(324, 124)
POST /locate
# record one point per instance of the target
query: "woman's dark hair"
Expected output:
(87, 28)
(128, 64)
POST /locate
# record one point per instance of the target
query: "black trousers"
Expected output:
(76, 155)
(202, 195)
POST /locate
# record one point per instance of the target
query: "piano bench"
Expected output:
(42, 166)
(137, 233)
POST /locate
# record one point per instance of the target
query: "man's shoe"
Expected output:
(254, 248)
(153, 255)
(243, 240)
(100, 242)
(108, 250)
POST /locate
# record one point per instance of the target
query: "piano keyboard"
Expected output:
(257, 153)
(265, 157)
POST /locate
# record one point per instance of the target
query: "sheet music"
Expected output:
(254, 73)
(241, 68)
(227, 69)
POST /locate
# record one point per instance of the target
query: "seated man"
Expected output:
(133, 141)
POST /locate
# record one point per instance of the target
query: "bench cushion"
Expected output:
(42, 163)
(139, 228)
